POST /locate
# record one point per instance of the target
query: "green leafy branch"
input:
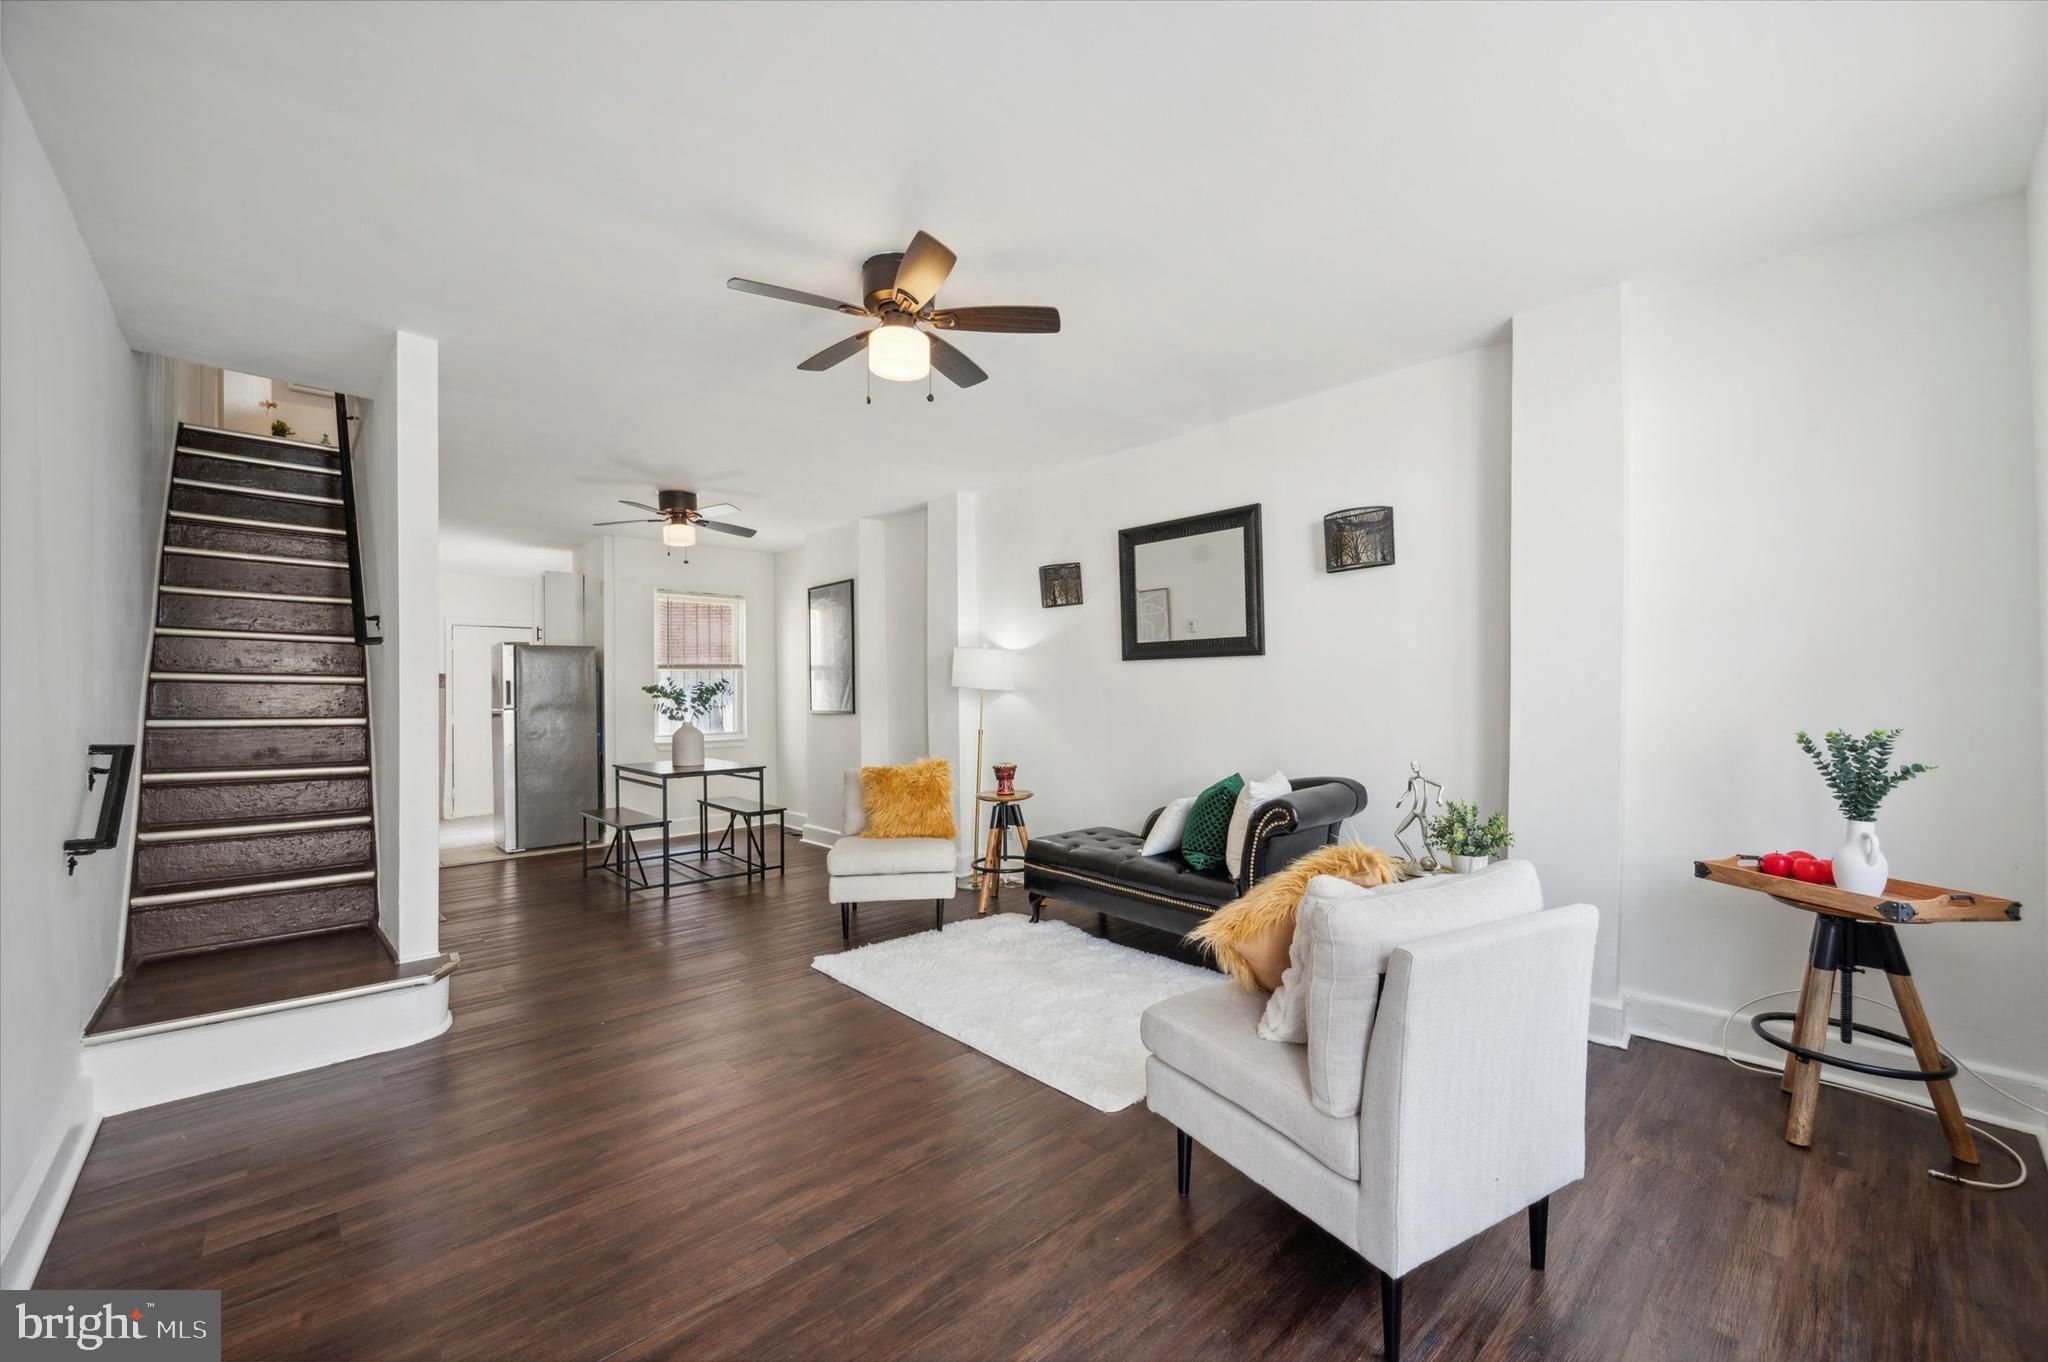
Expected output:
(1859, 771)
(686, 704)
(1459, 831)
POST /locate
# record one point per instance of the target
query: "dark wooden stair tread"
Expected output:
(257, 975)
(242, 886)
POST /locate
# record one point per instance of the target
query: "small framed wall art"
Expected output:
(1059, 584)
(1361, 537)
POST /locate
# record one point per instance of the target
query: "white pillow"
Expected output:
(1254, 793)
(1168, 827)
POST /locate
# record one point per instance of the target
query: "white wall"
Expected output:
(1363, 672)
(1831, 501)
(2037, 256)
(310, 416)
(481, 598)
(397, 472)
(903, 687)
(1565, 774)
(832, 742)
(83, 469)
(634, 570)
(952, 619)
(792, 707)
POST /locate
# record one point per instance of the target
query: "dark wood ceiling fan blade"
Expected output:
(636, 521)
(793, 295)
(835, 353)
(1018, 320)
(923, 269)
(723, 528)
(639, 506)
(949, 361)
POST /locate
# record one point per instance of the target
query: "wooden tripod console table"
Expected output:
(1853, 932)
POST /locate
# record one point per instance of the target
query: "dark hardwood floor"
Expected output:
(656, 1133)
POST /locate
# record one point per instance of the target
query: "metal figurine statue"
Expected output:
(1422, 794)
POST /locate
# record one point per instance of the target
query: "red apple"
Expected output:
(1800, 855)
(1777, 863)
(1813, 871)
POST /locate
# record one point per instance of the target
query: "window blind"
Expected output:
(695, 631)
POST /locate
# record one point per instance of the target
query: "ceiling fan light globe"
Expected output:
(678, 534)
(901, 354)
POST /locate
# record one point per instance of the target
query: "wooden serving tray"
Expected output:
(1902, 900)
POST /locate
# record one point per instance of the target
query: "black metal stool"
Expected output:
(622, 853)
(753, 815)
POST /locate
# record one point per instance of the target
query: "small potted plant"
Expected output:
(1469, 840)
(1859, 773)
(686, 705)
(279, 427)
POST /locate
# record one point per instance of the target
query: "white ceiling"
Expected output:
(1232, 206)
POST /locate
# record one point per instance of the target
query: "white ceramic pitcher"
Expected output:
(1860, 866)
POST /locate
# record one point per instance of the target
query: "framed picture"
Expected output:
(1362, 537)
(1155, 614)
(831, 629)
(1059, 584)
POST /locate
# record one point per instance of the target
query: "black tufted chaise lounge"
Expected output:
(1105, 868)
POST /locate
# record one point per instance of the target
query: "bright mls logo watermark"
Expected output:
(162, 1326)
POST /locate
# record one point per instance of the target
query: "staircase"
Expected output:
(255, 821)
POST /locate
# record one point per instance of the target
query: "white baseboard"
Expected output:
(30, 1219)
(819, 836)
(1699, 1028)
(1608, 1023)
(147, 1067)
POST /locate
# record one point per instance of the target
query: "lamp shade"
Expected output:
(984, 669)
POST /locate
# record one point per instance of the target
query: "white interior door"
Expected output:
(470, 647)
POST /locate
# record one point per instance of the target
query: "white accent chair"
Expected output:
(880, 869)
(1428, 1105)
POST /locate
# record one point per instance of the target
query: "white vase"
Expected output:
(1465, 865)
(686, 747)
(1860, 866)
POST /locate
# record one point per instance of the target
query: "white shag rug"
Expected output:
(1045, 998)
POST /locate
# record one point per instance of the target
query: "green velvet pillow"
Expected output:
(1207, 835)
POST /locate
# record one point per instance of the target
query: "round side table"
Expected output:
(1005, 812)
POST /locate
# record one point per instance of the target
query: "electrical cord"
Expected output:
(1939, 1174)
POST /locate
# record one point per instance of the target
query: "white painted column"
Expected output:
(1566, 609)
(398, 481)
(952, 619)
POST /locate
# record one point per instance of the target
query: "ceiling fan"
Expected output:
(679, 517)
(897, 289)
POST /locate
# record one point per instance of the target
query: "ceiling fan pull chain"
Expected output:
(871, 389)
(927, 385)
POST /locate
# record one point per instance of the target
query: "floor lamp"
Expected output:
(981, 670)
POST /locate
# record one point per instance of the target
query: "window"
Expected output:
(703, 639)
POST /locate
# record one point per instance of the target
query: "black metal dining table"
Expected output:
(694, 863)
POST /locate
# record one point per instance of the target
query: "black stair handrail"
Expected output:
(113, 799)
(357, 617)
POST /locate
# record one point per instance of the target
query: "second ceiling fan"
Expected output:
(680, 516)
(897, 289)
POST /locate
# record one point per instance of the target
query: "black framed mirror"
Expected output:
(1193, 587)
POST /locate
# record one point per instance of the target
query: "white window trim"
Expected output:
(746, 696)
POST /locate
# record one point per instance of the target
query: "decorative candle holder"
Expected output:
(1006, 777)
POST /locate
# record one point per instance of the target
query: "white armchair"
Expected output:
(878, 869)
(1471, 1104)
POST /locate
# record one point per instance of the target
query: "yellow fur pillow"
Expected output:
(1249, 937)
(909, 801)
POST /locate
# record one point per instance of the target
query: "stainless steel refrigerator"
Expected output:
(547, 762)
